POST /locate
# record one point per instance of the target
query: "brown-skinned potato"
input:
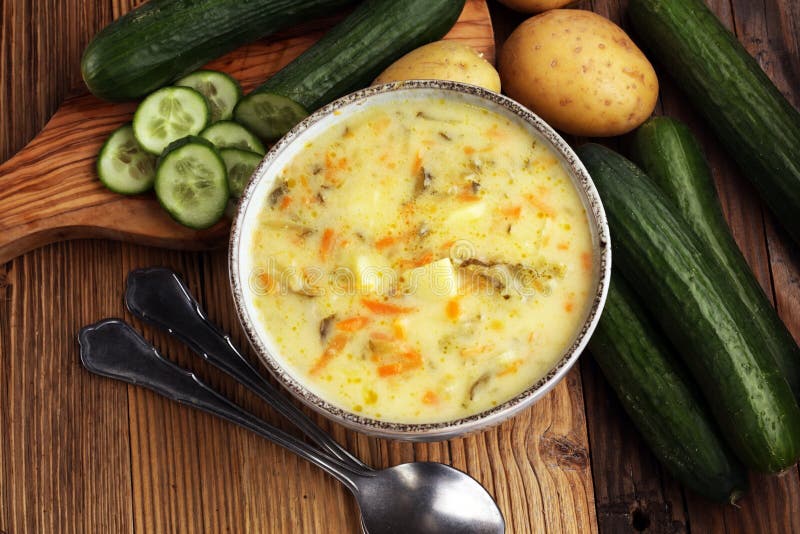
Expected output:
(443, 60)
(580, 72)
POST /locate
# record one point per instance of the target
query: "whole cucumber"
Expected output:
(661, 399)
(347, 58)
(668, 153)
(755, 123)
(162, 40)
(699, 308)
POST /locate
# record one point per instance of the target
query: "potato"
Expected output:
(535, 6)
(443, 60)
(580, 72)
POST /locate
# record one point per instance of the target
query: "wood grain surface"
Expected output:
(80, 453)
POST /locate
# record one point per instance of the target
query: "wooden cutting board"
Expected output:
(50, 192)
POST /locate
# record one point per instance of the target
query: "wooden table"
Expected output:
(83, 454)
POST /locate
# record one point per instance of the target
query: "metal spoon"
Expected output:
(158, 296)
(420, 497)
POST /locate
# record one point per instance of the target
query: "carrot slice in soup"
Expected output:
(326, 245)
(586, 261)
(388, 241)
(352, 324)
(416, 167)
(425, 259)
(335, 346)
(453, 309)
(540, 205)
(266, 283)
(430, 397)
(390, 370)
(511, 368)
(467, 196)
(385, 308)
(411, 359)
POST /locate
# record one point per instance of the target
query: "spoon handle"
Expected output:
(158, 296)
(113, 349)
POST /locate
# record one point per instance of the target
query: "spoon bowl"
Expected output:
(426, 497)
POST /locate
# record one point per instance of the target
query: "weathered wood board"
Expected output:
(83, 454)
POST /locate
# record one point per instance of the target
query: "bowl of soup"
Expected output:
(420, 260)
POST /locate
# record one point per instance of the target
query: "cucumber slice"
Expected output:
(229, 134)
(167, 115)
(220, 90)
(123, 166)
(191, 182)
(240, 165)
(269, 115)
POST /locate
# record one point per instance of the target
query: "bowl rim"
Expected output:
(486, 418)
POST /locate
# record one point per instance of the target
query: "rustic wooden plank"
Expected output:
(7, 510)
(65, 459)
(187, 472)
(28, 53)
(785, 266)
(558, 433)
(65, 432)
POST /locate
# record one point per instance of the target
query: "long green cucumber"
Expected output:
(348, 57)
(661, 400)
(699, 308)
(668, 153)
(162, 40)
(754, 121)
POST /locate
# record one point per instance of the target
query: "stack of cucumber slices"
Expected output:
(183, 143)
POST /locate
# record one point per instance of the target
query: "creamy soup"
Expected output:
(421, 261)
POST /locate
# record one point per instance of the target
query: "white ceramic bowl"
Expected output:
(263, 182)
